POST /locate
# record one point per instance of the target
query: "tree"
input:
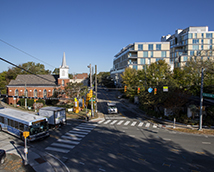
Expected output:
(73, 90)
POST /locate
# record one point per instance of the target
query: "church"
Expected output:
(38, 86)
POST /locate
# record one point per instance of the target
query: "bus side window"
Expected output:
(16, 124)
(2, 119)
(21, 126)
(26, 128)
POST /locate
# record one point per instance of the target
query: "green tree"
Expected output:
(73, 90)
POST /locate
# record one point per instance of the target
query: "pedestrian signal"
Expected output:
(155, 91)
(138, 90)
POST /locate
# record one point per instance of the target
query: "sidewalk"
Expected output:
(16, 163)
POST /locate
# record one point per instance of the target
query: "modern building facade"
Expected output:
(138, 55)
(187, 43)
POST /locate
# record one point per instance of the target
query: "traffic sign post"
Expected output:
(26, 134)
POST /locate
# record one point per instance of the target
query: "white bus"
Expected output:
(16, 122)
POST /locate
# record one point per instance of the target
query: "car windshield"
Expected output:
(38, 127)
(111, 107)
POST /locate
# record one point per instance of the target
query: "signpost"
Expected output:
(26, 134)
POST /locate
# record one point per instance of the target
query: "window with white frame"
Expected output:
(163, 53)
(145, 54)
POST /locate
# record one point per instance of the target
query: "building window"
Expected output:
(211, 47)
(195, 41)
(45, 93)
(142, 61)
(195, 35)
(195, 47)
(190, 35)
(211, 41)
(158, 46)
(163, 53)
(140, 46)
(202, 35)
(145, 54)
(202, 41)
(202, 58)
(16, 92)
(202, 47)
(150, 46)
(157, 59)
(35, 93)
(135, 67)
(63, 83)
(208, 58)
(151, 53)
(149, 61)
(185, 58)
(209, 35)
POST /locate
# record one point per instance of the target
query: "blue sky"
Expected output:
(90, 31)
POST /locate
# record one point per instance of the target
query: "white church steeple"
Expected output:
(63, 69)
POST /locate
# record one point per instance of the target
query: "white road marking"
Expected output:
(79, 129)
(113, 122)
(147, 125)
(154, 126)
(71, 138)
(166, 139)
(63, 145)
(107, 122)
(160, 125)
(140, 124)
(127, 122)
(119, 123)
(101, 121)
(133, 123)
(77, 135)
(78, 132)
(57, 149)
(68, 141)
(206, 143)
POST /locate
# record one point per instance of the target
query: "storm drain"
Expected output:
(40, 160)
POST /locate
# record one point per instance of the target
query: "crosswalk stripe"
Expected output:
(57, 149)
(113, 122)
(68, 141)
(78, 132)
(87, 125)
(160, 125)
(63, 145)
(71, 138)
(127, 122)
(140, 124)
(84, 128)
(107, 122)
(147, 125)
(101, 121)
(119, 123)
(79, 129)
(154, 126)
(77, 135)
(133, 123)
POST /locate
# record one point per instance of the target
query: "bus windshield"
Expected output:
(39, 127)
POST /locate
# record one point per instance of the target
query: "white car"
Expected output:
(112, 108)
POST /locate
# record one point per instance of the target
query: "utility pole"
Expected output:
(201, 98)
(92, 110)
(25, 97)
(96, 87)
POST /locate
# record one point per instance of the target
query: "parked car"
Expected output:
(112, 108)
(2, 156)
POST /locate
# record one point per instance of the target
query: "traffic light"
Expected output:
(125, 88)
(155, 91)
(138, 90)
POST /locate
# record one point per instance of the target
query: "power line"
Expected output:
(25, 52)
(25, 69)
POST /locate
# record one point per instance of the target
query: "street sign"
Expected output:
(208, 95)
(26, 134)
(150, 90)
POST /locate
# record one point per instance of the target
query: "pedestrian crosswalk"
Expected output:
(129, 123)
(71, 138)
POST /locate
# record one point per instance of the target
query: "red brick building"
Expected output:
(38, 86)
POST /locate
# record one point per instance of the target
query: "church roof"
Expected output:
(34, 80)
